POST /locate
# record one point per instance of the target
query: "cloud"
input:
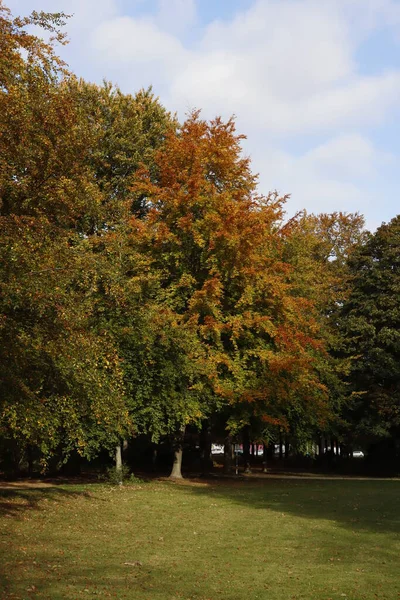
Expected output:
(128, 41)
(85, 14)
(347, 157)
(287, 68)
(176, 16)
(343, 173)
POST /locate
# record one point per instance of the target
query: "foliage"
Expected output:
(67, 152)
(217, 246)
(371, 325)
(63, 384)
(127, 130)
(145, 284)
(121, 476)
(319, 248)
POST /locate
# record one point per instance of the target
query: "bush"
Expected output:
(115, 476)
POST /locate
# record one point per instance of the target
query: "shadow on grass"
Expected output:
(234, 517)
(15, 499)
(122, 582)
(371, 505)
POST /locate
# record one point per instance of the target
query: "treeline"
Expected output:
(147, 289)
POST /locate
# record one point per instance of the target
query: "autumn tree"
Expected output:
(318, 247)
(217, 246)
(63, 385)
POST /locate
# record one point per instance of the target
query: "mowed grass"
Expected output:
(272, 539)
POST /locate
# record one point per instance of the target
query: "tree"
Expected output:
(217, 247)
(63, 385)
(127, 131)
(319, 248)
(371, 324)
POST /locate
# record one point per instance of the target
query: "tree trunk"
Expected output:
(280, 447)
(228, 454)
(154, 457)
(176, 472)
(320, 447)
(205, 446)
(271, 450)
(287, 448)
(118, 461)
(265, 460)
(29, 454)
(246, 448)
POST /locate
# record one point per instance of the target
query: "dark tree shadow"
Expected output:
(371, 505)
(15, 500)
(362, 506)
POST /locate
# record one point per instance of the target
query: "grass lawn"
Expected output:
(243, 540)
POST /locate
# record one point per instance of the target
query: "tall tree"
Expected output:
(217, 246)
(371, 325)
(319, 248)
(63, 384)
(127, 130)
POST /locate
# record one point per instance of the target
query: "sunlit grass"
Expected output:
(244, 540)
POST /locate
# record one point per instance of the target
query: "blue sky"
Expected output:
(314, 84)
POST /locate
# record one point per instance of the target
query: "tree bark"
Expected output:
(320, 447)
(118, 461)
(29, 455)
(228, 454)
(271, 450)
(176, 472)
(246, 448)
(287, 448)
(205, 445)
(265, 460)
(154, 457)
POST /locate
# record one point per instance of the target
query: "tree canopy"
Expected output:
(146, 284)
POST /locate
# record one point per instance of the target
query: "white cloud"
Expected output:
(287, 68)
(343, 173)
(85, 14)
(128, 41)
(176, 16)
(349, 156)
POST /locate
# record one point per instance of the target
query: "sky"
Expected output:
(314, 84)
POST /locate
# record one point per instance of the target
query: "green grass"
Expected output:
(273, 540)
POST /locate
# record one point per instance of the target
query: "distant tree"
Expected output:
(319, 248)
(371, 326)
